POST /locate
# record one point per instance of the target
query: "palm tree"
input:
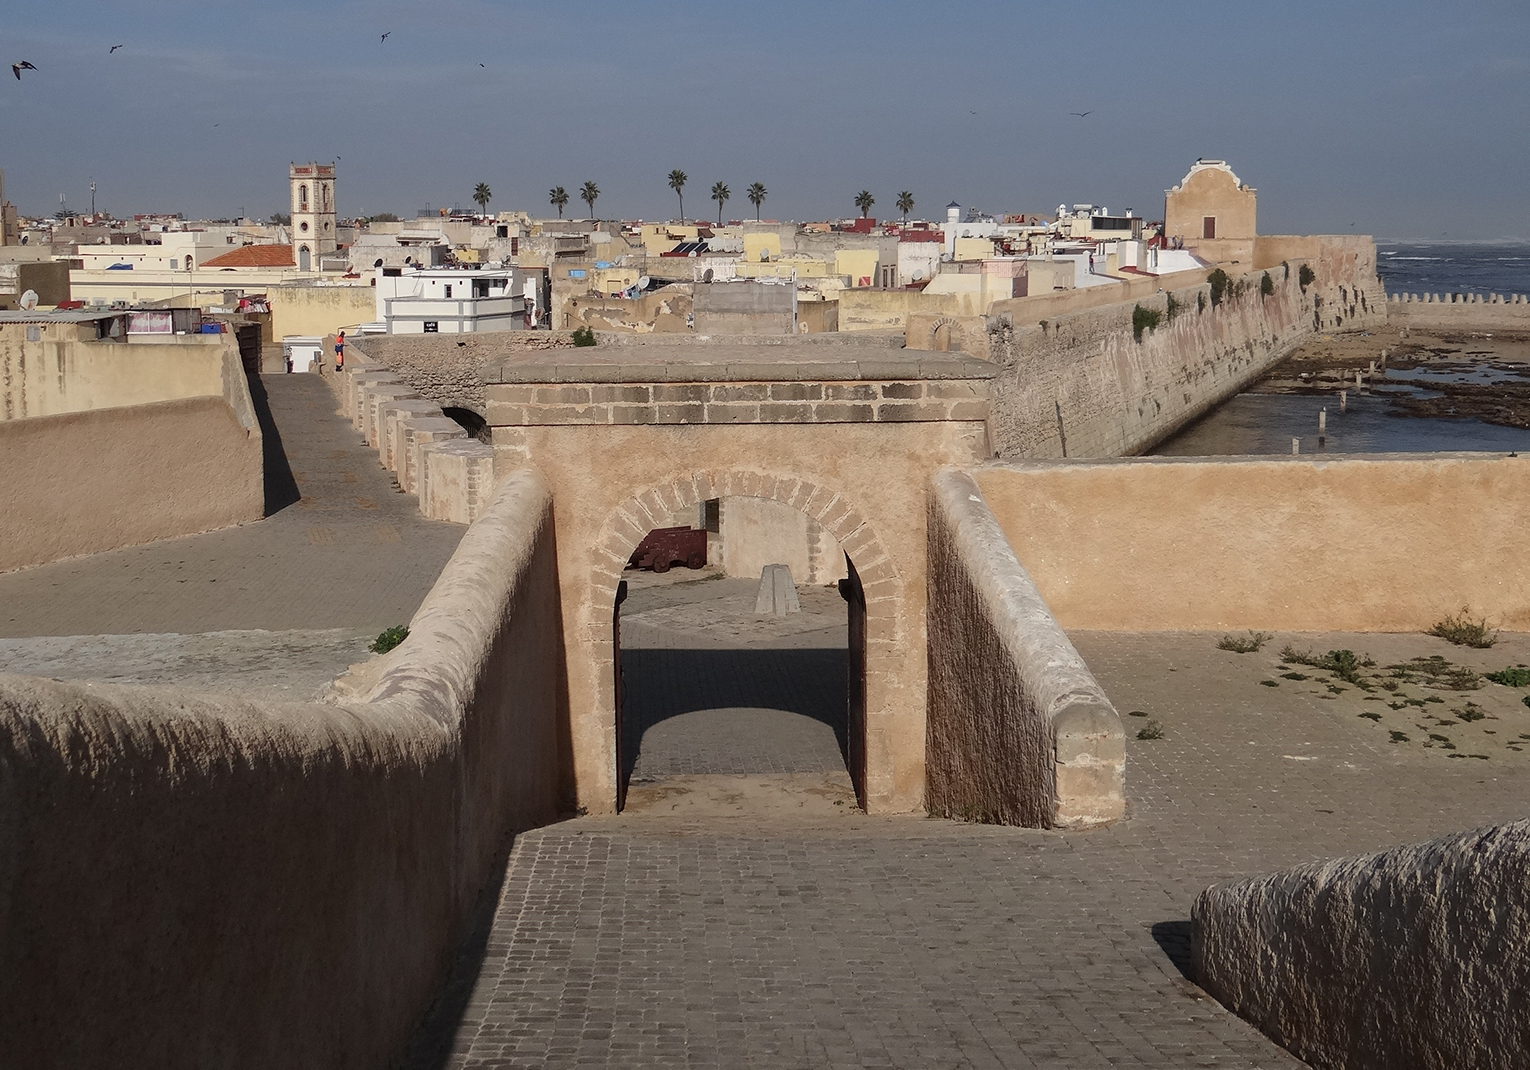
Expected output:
(905, 204)
(756, 197)
(482, 194)
(720, 194)
(864, 200)
(559, 198)
(677, 179)
(587, 194)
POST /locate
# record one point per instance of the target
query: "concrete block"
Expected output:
(458, 477)
(777, 596)
(394, 415)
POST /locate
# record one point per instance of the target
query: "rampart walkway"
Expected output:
(351, 552)
(638, 941)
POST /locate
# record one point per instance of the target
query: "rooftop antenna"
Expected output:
(92, 198)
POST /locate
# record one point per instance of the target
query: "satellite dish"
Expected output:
(28, 300)
(706, 276)
(643, 282)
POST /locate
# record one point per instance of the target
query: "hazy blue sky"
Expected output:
(1402, 119)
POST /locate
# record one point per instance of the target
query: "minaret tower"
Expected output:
(313, 212)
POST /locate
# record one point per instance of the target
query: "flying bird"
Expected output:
(17, 68)
(480, 64)
(1081, 114)
(114, 48)
(387, 35)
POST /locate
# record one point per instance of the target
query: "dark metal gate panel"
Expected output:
(616, 667)
(855, 683)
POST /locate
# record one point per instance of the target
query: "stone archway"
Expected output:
(880, 632)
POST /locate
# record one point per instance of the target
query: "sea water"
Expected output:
(1261, 424)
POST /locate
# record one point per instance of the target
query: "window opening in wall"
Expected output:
(448, 289)
(725, 691)
(1209, 226)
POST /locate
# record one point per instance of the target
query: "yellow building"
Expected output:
(1212, 214)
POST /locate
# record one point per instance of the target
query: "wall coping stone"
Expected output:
(747, 367)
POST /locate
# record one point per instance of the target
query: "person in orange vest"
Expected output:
(340, 352)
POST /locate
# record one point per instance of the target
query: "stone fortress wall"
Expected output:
(1460, 312)
(196, 880)
(1083, 385)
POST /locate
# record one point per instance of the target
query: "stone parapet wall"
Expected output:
(1380, 542)
(1019, 732)
(1472, 313)
(1084, 385)
(524, 404)
(194, 880)
(1413, 957)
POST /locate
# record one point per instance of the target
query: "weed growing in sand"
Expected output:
(1515, 677)
(1399, 737)
(1244, 644)
(390, 639)
(1464, 631)
(1151, 730)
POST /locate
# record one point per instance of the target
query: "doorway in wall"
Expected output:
(723, 706)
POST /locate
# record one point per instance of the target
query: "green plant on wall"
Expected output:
(583, 336)
(1267, 285)
(1200, 303)
(1171, 308)
(1220, 284)
(1306, 276)
(1144, 319)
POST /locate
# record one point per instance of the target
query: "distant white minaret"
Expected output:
(953, 217)
(313, 212)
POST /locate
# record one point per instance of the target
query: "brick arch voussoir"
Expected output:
(652, 507)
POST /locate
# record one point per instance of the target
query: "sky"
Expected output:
(1405, 119)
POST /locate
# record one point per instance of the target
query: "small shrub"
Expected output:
(1463, 631)
(389, 639)
(584, 336)
(1526, 701)
(1294, 676)
(1171, 308)
(1267, 285)
(1269, 683)
(1443, 741)
(1144, 319)
(1244, 644)
(1151, 730)
(1470, 712)
(1200, 302)
(1369, 716)
(1510, 677)
(1306, 277)
(1286, 264)
(1399, 737)
(1219, 286)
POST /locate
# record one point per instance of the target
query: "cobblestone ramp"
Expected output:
(351, 551)
(905, 942)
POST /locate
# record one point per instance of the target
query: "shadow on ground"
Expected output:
(660, 684)
(281, 487)
(1174, 938)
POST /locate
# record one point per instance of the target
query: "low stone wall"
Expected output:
(1470, 313)
(1414, 957)
(1086, 385)
(1385, 542)
(1019, 732)
(192, 880)
(82, 482)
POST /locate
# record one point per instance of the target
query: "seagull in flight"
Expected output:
(1081, 114)
(17, 68)
(387, 35)
(114, 48)
(480, 64)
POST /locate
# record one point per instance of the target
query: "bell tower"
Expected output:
(313, 212)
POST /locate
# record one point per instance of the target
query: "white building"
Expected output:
(453, 300)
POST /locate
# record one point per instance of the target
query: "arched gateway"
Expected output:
(628, 442)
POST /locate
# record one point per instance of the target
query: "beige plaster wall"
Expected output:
(864, 483)
(63, 373)
(1213, 191)
(756, 532)
(316, 311)
(1500, 316)
(83, 482)
(1361, 543)
(190, 880)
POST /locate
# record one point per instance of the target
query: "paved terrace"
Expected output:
(828, 939)
(341, 555)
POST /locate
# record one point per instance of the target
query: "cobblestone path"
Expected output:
(644, 941)
(351, 552)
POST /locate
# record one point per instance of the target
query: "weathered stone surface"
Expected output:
(192, 880)
(1417, 957)
(1019, 731)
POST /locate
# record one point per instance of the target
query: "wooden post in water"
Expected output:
(1343, 399)
(1296, 446)
(1322, 425)
(1359, 384)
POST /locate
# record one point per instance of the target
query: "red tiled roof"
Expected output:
(270, 256)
